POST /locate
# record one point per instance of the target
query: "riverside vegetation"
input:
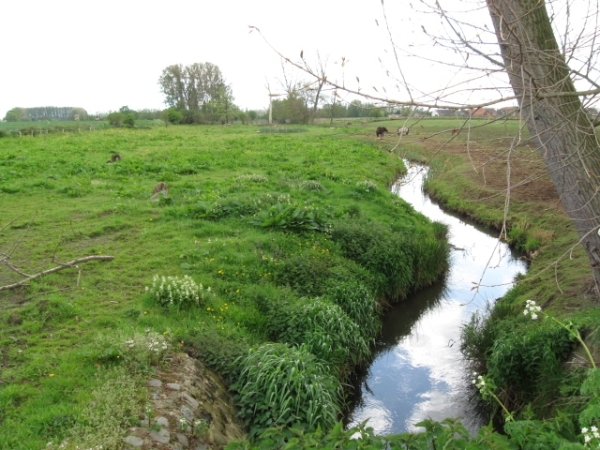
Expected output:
(279, 251)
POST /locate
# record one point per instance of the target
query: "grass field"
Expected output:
(257, 218)
(279, 223)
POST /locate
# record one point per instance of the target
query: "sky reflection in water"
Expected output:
(418, 371)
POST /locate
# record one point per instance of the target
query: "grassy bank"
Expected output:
(270, 252)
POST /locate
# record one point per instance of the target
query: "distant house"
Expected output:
(482, 113)
(434, 113)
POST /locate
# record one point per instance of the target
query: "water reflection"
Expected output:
(417, 371)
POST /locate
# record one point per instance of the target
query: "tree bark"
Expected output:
(553, 112)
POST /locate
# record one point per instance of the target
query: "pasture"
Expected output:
(269, 222)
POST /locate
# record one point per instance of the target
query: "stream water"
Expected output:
(417, 371)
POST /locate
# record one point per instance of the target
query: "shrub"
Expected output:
(525, 362)
(177, 292)
(282, 386)
(326, 330)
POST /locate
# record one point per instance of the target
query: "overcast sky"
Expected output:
(104, 55)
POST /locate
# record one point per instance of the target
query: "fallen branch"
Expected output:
(56, 269)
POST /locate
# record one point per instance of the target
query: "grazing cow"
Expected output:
(402, 131)
(379, 132)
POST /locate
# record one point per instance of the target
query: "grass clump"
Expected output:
(326, 330)
(358, 302)
(281, 385)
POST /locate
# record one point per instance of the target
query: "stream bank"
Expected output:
(417, 371)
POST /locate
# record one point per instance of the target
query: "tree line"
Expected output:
(46, 113)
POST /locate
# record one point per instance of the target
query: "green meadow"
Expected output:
(267, 248)
(271, 257)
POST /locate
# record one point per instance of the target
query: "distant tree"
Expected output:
(199, 91)
(129, 120)
(16, 115)
(149, 114)
(46, 113)
(115, 119)
(173, 85)
(292, 109)
(356, 108)
(172, 115)
(82, 113)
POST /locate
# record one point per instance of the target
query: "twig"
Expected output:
(60, 267)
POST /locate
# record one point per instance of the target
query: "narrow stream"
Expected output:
(417, 371)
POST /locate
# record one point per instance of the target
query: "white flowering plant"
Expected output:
(591, 437)
(150, 347)
(177, 292)
(533, 310)
(366, 185)
(486, 388)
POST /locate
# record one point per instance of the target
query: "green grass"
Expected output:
(275, 224)
(244, 210)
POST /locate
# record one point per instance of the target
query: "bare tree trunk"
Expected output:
(553, 112)
(316, 102)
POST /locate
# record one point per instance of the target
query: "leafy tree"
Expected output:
(115, 119)
(129, 120)
(292, 109)
(16, 115)
(199, 91)
(172, 115)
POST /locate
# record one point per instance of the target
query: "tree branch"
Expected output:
(72, 263)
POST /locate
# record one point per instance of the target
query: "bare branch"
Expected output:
(72, 263)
